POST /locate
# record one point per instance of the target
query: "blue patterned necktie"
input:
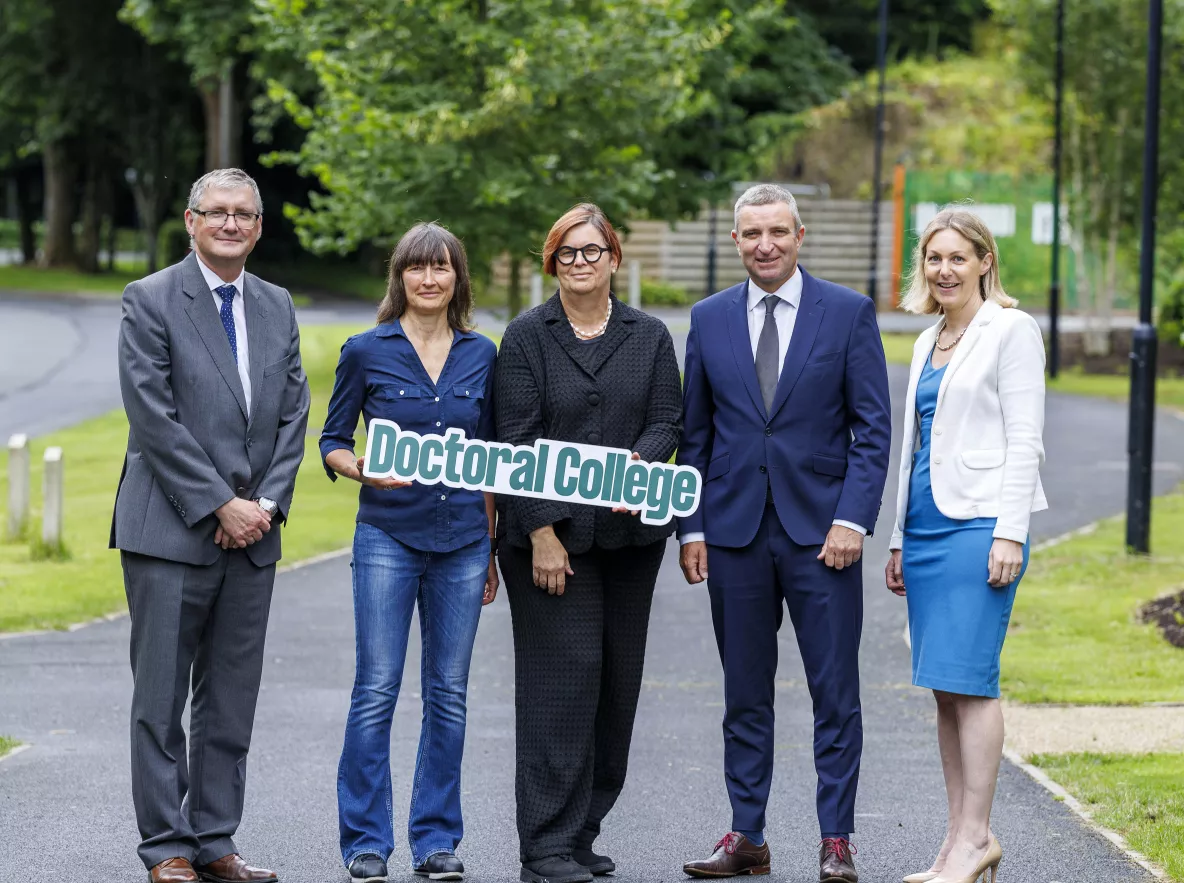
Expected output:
(227, 292)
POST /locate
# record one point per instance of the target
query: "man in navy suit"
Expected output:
(787, 417)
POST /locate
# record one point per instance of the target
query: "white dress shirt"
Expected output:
(238, 308)
(785, 314)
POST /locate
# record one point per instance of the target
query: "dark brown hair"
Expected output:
(428, 244)
(584, 213)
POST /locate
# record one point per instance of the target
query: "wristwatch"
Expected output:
(493, 545)
(269, 506)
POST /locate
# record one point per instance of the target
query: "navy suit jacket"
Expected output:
(824, 446)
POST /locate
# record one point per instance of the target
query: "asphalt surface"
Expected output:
(66, 802)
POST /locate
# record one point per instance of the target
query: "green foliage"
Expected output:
(173, 243)
(7, 745)
(915, 27)
(1170, 288)
(768, 67)
(207, 35)
(494, 117)
(655, 293)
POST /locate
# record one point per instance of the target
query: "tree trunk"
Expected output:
(25, 216)
(92, 219)
(223, 124)
(147, 198)
(112, 242)
(515, 289)
(60, 177)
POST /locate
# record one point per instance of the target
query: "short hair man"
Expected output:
(217, 403)
(787, 417)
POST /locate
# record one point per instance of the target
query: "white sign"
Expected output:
(551, 470)
(1042, 224)
(999, 217)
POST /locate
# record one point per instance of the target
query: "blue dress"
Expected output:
(957, 620)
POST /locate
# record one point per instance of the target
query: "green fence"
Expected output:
(1011, 206)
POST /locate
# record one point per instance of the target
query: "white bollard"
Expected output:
(536, 289)
(18, 484)
(635, 284)
(53, 489)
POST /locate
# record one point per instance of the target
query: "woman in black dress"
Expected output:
(582, 367)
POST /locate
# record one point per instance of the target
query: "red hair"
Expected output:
(584, 213)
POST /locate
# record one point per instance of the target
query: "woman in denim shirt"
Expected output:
(422, 368)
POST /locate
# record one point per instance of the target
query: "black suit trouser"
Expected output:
(578, 660)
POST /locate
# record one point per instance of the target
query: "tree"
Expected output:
(768, 67)
(493, 117)
(915, 27)
(18, 116)
(212, 38)
(1105, 72)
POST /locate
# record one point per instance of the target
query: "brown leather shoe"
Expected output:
(733, 856)
(835, 864)
(173, 870)
(232, 869)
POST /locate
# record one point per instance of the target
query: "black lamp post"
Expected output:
(1143, 343)
(881, 63)
(1054, 288)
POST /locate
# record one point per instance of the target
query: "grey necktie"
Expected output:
(766, 354)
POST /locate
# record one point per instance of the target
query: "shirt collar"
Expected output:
(394, 328)
(790, 291)
(214, 281)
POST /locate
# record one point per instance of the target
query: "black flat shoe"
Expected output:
(555, 869)
(596, 864)
(368, 868)
(442, 866)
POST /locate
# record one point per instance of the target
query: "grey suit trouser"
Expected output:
(208, 622)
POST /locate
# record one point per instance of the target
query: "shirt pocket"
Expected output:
(464, 407)
(403, 403)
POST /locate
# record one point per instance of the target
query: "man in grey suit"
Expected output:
(217, 402)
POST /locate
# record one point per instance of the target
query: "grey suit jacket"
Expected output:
(192, 445)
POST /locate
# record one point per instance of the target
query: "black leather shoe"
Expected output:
(596, 864)
(835, 864)
(367, 868)
(442, 866)
(555, 869)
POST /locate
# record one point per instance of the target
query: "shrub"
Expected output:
(663, 294)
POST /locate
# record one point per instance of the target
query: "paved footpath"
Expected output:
(66, 801)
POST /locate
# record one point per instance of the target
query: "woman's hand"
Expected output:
(1004, 563)
(894, 573)
(551, 568)
(491, 582)
(383, 484)
(623, 510)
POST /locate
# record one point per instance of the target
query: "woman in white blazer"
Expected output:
(969, 481)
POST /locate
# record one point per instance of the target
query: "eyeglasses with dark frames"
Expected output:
(566, 255)
(245, 220)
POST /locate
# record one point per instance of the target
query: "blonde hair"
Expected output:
(971, 227)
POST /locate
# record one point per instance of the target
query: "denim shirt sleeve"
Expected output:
(345, 405)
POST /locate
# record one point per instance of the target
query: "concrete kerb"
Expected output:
(1042, 779)
(111, 617)
(10, 755)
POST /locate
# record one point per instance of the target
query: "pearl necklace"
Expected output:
(588, 335)
(946, 349)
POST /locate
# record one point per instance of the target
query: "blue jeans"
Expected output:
(389, 578)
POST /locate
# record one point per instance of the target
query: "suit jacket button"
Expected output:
(764, 469)
(248, 443)
(241, 493)
(594, 398)
(768, 430)
(594, 437)
(937, 460)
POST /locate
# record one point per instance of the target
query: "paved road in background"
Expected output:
(66, 801)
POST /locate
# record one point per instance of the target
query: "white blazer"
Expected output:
(985, 447)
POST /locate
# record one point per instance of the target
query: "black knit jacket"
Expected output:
(623, 391)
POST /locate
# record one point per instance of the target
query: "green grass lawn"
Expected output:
(35, 279)
(6, 745)
(1074, 636)
(54, 594)
(1140, 796)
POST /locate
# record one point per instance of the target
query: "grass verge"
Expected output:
(6, 745)
(1074, 635)
(53, 594)
(1140, 796)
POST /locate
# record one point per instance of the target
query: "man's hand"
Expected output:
(623, 510)
(894, 573)
(692, 558)
(240, 523)
(551, 567)
(843, 547)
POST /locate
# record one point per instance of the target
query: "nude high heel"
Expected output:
(989, 862)
(923, 877)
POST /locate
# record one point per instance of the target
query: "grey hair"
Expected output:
(766, 194)
(223, 179)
